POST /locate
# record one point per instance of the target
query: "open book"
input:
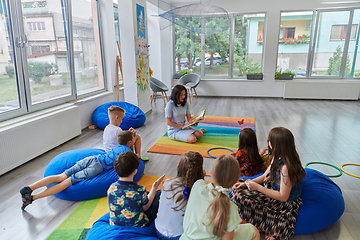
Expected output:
(195, 119)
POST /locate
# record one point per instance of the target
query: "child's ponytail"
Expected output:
(225, 173)
(190, 169)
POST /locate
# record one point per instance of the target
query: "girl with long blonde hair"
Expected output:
(210, 214)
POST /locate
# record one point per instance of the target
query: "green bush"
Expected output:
(38, 70)
(335, 63)
(10, 71)
(245, 65)
(185, 71)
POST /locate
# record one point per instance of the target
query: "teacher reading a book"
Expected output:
(177, 109)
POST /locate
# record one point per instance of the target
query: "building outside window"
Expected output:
(42, 45)
(36, 26)
(338, 32)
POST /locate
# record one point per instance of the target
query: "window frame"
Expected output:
(230, 75)
(345, 49)
(16, 22)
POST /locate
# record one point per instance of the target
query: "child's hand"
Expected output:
(239, 185)
(195, 124)
(251, 185)
(133, 131)
(262, 151)
(158, 181)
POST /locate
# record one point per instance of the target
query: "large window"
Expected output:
(210, 55)
(294, 39)
(353, 55)
(328, 55)
(217, 47)
(39, 62)
(319, 44)
(87, 50)
(187, 46)
(117, 37)
(248, 44)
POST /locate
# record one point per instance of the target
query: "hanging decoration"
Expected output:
(141, 51)
(190, 17)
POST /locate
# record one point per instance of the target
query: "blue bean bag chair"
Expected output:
(90, 188)
(101, 229)
(323, 203)
(134, 116)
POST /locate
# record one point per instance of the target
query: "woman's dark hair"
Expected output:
(248, 141)
(190, 169)
(175, 95)
(283, 147)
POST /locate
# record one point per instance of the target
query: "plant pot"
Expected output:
(254, 76)
(177, 76)
(286, 77)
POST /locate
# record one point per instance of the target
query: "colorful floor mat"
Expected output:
(220, 132)
(79, 222)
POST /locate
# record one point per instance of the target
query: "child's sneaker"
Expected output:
(144, 159)
(26, 197)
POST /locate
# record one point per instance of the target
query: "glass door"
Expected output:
(12, 101)
(44, 52)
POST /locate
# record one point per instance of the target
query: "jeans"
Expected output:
(86, 168)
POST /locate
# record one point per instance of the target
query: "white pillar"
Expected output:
(128, 32)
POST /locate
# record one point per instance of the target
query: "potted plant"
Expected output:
(181, 73)
(287, 75)
(254, 76)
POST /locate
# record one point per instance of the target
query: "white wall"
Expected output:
(266, 88)
(127, 22)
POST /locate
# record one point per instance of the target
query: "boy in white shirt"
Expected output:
(111, 131)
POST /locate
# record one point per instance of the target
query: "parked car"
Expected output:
(299, 72)
(183, 62)
(216, 61)
(196, 61)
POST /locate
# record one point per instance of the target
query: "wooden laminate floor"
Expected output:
(327, 131)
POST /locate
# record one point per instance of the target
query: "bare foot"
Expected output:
(202, 129)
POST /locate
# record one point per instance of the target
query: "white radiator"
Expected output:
(27, 139)
(322, 89)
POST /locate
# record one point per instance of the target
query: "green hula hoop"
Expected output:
(328, 164)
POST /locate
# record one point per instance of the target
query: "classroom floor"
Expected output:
(327, 131)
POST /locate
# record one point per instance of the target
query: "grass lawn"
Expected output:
(8, 86)
(217, 70)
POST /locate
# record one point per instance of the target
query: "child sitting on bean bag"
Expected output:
(129, 203)
(86, 168)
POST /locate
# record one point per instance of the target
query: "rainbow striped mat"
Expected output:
(78, 223)
(220, 132)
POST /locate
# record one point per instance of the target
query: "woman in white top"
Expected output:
(177, 109)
